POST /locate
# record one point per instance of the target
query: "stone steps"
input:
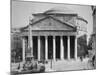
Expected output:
(68, 65)
(62, 65)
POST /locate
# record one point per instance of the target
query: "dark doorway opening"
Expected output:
(72, 46)
(42, 47)
(58, 47)
(65, 46)
(35, 47)
(50, 47)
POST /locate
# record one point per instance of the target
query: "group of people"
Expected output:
(29, 64)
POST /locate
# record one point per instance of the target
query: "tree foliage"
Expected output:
(82, 45)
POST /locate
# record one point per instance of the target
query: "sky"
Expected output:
(21, 11)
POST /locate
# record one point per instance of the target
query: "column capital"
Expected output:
(54, 37)
(38, 37)
(61, 35)
(76, 36)
(68, 36)
(22, 37)
(46, 37)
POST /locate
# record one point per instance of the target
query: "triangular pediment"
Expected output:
(50, 23)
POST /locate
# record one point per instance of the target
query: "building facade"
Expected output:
(51, 35)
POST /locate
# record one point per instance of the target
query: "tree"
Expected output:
(82, 46)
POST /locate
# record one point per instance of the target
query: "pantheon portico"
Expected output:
(51, 35)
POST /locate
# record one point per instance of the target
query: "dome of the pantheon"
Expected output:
(60, 10)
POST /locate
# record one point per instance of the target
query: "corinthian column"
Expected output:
(68, 47)
(23, 47)
(62, 48)
(76, 47)
(46, 47)
(54, 48)
(38, 48)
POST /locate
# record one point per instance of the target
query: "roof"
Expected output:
(59, 26)
(58, 10)
(81, 18)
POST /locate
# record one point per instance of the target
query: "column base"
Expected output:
(46, 60)
(54, 59)
(62, 59)
(68, 59)
(75, 58)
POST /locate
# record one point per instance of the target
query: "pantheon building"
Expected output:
(51, 35)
